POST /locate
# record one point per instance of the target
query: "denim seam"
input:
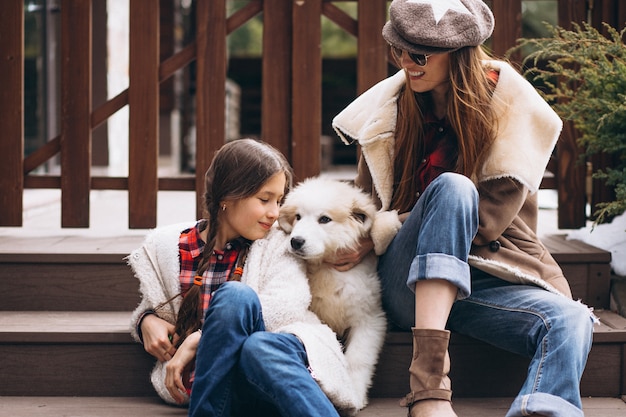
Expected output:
(518, 310)
(544, 342)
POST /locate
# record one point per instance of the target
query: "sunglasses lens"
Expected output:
(419, 59)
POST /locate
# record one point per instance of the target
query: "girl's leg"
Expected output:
(552, 330)
(233, 315)
(275, 365)
(429, 255)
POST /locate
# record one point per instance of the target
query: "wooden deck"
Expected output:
(145, 406)
(69, 352)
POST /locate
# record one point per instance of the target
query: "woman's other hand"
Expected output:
(176, 367)
(345, 260)
(158, 336)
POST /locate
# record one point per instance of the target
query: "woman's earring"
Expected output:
(223, 207)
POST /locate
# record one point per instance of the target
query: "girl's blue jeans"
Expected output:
(244, 370)
(555, 332)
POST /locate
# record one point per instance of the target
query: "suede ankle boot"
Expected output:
(430, 394)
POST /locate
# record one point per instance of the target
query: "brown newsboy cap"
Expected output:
(437, 26)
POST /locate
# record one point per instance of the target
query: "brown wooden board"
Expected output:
(11, 113)
(76, 103)
(143, 99)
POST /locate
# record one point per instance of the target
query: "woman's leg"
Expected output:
(429, 255)
(233, 315)
(275, 365)
(432, 244)
(552, 330)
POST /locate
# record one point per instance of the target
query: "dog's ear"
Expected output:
(286, 218)
(361, 216)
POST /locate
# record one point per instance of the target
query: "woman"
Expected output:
(212, 345)
(458, 144)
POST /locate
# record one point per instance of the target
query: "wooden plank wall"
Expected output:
(291, 114)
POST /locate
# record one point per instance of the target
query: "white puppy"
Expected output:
(321, 217)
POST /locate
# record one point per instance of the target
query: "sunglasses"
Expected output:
(419, 59)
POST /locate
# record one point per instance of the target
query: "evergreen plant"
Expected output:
(583, 74)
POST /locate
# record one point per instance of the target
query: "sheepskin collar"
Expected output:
(527, 130)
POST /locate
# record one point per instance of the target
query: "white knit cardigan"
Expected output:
(280, 281)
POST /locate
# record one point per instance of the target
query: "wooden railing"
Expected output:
(291, 98)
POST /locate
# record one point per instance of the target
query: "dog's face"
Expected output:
(322, 216)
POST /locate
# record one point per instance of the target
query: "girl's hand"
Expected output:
(175, 368)
(158, 337)
(345, 260)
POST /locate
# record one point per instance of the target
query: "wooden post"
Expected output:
(12, 113)
(276, 89)
(508, 15)
(372, 48)
(76, 50)
(570, 173)
(210, 87)
(100, 134)
(143, 99)
(306, 88)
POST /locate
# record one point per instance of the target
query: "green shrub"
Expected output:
(584, 78)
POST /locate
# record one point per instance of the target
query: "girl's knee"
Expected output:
(235, 290)
(259, 348)
(233, 297)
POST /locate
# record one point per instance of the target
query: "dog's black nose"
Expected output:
(297, 242)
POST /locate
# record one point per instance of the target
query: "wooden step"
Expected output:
(92, 354)
(143, 406)
(481, 370)
(90, 274)
(587, 269)
(68, 274)
(71, 354)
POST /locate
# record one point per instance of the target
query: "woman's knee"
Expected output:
(456, 186)
(575, 321)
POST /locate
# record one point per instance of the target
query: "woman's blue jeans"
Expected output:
(553, 331)
(243, 369)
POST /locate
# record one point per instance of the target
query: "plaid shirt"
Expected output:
(221, 264)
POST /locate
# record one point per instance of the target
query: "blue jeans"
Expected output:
(552, 330)
(243, 369)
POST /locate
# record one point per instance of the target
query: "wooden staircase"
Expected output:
(65, 316)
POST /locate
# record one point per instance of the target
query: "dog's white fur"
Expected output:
(321, 217)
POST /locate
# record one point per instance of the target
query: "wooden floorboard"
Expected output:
(379, 407)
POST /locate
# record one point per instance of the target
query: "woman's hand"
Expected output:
(158, 336)
(175, 368)
(345, 260)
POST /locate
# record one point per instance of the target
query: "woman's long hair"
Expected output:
(238, 171)
(469, 112)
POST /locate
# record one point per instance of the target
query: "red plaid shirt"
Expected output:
(440, 146)
(222, 263)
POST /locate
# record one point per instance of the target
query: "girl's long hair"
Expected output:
(238, 170)
(469, 112)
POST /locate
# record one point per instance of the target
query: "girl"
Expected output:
(458, 144)
(215, 337)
